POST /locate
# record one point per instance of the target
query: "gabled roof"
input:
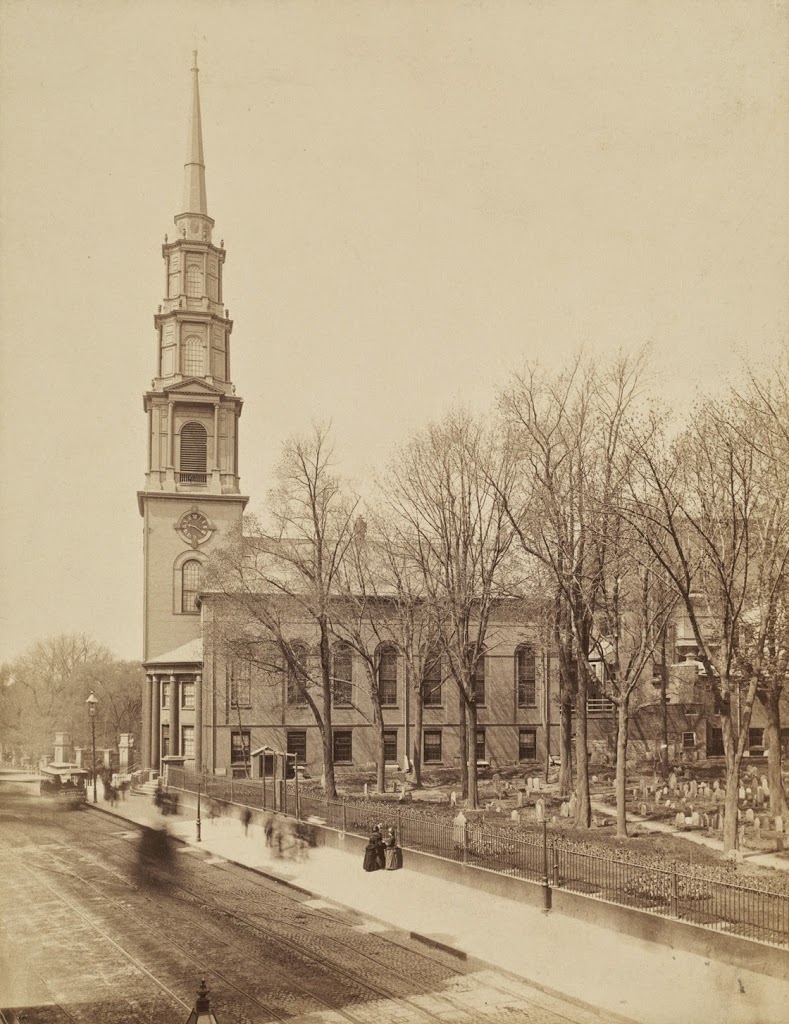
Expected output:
(190, 653)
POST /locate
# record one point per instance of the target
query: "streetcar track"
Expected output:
(324, 963)
(308, 918)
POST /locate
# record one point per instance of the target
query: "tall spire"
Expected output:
(194, 169)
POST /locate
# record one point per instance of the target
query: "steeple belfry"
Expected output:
(194, 169)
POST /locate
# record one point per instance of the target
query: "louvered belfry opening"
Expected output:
(194, 449)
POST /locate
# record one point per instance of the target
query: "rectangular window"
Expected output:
(342, 746)
(480, 745)
(431, 680)
(165, 741)
(188, 742)
(188, 696)
(432, 746)
(527, 744)
(239, 683)
(526, 671)
(297, 744)
(714, 741)
(756, 741)
(239, 753)
(390, 746)
(688, 740)
(342, 665)
(165, 695)
(297, 675)
(387, 678)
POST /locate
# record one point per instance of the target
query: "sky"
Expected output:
(416, 197)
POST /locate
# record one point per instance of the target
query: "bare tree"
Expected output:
(444, 493)
(564, 433)
(703, 506)
(274, 583)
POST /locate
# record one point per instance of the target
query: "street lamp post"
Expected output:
(92, 701)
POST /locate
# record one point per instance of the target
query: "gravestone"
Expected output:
(757, 826)
(705, 820)
(537, 782)
(749, 816)
(366, 791)
(669, 803)
(694, 789)
(686, 789)
(515, 816)
(519, 798)
(453, 799)
(459, 829)
(679, 819)
(643, 810)
(672, 782)
(741, 793)
(595, 780)
(540, 808)
(573, 805)
(695, 819)
(759, 796)
(716, 785)
(779, 823)
(564, 810)
(764, 785)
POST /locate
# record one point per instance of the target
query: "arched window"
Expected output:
(194, 454)
(296, 678)
(342, 675)
(526, 676)
(478, 678)
(190, 585)
(192, 357)
(194, 281)
(387, 675)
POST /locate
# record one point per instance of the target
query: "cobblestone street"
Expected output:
(83, 939)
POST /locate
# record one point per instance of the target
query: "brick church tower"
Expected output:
(191, 501)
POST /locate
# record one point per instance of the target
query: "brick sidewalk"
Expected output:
(574, 959)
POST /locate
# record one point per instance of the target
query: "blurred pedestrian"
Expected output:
(246, 817)
(268, 828)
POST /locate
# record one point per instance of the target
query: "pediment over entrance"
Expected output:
(190, 653)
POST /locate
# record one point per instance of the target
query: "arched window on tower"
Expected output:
(190, 585)
(194, 281)
(193, 357)
(194, 454)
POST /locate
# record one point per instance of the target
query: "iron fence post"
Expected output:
(343, 815)
(546, 885)
(674, 891)
(555, 851)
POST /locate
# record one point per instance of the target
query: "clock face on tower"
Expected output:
(194, 527)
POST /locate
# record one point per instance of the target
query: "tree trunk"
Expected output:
(463, 735)
(771, 702)
(731, 839)
(622, 714)
(664, 765)
(470, 714)
(565, 748)
(380, 775)
(416, 759)
(330, 786)
(583, 814)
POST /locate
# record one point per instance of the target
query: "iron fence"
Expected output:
(684, 893)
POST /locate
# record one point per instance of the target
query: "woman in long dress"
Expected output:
(374, 853)
(394, 855)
